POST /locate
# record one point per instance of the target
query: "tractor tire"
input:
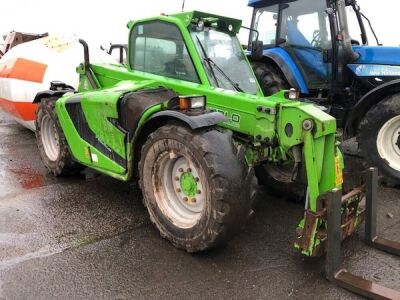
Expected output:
(197, 186)
(271, 82)
(279, 184)
(379, 139)
(270, 78)
(52, 144)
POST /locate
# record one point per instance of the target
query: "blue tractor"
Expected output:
(307, 45)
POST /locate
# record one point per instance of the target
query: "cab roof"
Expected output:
(195, 16)
(187, 18)
(266, 3)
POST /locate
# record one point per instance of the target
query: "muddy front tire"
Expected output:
(270, 78)
(53, 147)
(197, 186)
(379, 138)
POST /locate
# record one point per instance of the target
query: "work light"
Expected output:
(192, 102)
(292, 94)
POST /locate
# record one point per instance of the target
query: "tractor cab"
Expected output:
(313, 42)
(302, 30)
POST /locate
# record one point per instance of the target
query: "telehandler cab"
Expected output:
(147, 120)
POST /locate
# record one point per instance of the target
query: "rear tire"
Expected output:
(52, 144)
(270, 78)
(271, 82)
(279, 184)
(197, 186)
(379, 138)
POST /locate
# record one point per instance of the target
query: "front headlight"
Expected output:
(192, 102)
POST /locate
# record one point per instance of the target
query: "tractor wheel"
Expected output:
(197, 186)
(53, 147)
(277, 181)
(270, 79)
(379, 138)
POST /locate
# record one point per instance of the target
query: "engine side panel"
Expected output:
(90, 122)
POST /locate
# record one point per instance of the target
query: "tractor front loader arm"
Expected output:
(322, 163)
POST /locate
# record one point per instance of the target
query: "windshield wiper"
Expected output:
(206, 58)
(212, 63)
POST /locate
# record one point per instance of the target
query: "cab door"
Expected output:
(305, 35)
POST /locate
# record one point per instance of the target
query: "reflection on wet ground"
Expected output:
(28, 178)
(20, 165)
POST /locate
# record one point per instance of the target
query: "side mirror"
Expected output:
(257, 50)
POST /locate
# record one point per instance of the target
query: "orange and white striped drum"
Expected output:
(30, 67)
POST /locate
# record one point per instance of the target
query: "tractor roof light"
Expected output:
(292, 94)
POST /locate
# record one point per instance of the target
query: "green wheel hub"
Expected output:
(188, 184)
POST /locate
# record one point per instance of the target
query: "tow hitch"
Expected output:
(343, 277)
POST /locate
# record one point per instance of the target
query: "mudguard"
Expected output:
(366, 102)
(288, 67)
(207, 119)
(49, 94)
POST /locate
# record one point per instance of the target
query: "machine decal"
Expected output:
(233, 119)
(375, 70)
(77, 115)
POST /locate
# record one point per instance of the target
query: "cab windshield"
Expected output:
(224, 60)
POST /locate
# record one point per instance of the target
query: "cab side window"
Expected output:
(158, 48)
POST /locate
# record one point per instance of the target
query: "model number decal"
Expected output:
(233, 118)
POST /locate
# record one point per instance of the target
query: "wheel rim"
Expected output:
(388, 143)
(179, 187)
(50, 138)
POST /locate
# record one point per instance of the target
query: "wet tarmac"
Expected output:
(73, 238)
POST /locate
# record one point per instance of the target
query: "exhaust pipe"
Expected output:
(88, 71)
(344, 30)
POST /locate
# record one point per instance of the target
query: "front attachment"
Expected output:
(340, 276)
(312, 231)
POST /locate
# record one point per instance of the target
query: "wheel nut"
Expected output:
(197, 179)
(178, 190)
(185, 199)
(194, 200)
(180, 170)
(198, 192)
(176, 178)
(189, 170)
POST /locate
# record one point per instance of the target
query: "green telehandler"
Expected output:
(186, 117)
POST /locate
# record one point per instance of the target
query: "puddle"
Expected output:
(28, 178)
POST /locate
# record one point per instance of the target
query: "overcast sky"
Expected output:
(105, 21)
